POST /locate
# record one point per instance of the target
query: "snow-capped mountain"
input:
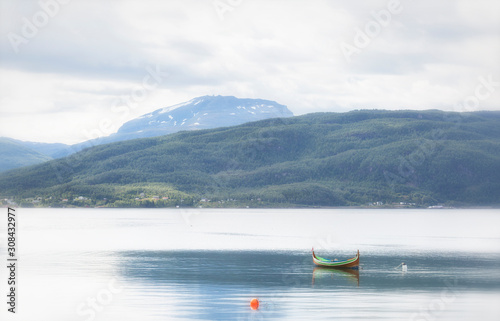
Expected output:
(201, 113)
(198, 113)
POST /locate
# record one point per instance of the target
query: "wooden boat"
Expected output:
(352, 263)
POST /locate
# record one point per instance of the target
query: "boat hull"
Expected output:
(352, 263)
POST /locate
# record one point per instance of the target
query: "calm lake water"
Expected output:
(197, 264)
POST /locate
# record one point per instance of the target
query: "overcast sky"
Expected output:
(72, 70)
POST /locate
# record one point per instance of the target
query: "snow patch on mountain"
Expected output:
(201, 113)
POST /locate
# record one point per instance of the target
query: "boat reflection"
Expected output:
(322, 274)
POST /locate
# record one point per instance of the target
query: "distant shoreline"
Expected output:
(471, 207)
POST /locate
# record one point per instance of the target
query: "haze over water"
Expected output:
(198, 264)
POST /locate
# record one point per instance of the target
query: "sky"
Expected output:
(72, 70)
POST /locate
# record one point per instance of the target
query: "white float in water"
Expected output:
(404, 267)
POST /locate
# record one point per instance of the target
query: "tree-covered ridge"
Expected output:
(16, 154)
(322, 159)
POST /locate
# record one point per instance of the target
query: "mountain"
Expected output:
(16, 153)
(414, 158)
(47, 149)
(202, 113)
(199, 113)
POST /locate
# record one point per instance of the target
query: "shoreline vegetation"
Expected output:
(359, 159)
(66, 205)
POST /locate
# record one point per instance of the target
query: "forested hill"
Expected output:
(419, 158)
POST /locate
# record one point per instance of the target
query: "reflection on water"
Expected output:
(216, 285)
(328, 274)
(93, 265)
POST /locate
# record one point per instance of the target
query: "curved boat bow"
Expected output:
(352, 263)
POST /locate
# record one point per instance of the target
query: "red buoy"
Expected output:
(254, 304)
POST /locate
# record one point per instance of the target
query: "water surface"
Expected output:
(101, 264)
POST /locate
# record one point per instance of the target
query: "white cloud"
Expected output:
(63, 82)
